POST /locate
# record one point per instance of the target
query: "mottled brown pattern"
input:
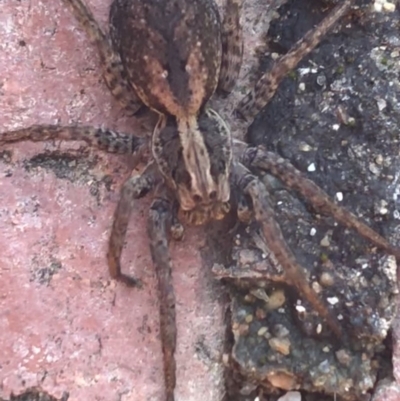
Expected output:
(232, 46)
(153, 37)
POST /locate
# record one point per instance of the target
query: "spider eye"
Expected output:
(197, 198)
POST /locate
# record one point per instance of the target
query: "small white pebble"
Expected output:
(383, 211)
(274, 56)
(305, 147)
(333, 300)
(316, 287)
(300, 308)
(291, 396)
(339, 196)
(319, 328)
(378, 7)
(335, 127)
(390, 7)
(326, 349)
(381, 104)
(351, 121)
(339, 317)
(313, 231)
(325, 242)
(311, 168)
(302, 86)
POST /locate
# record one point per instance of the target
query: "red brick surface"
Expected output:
(82, 332)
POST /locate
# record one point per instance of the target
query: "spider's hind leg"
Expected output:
(113, 69)
(267, 85)
(264, 215)
(232, 46)
(135, 187)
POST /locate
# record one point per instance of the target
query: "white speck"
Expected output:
(313, 231)
(381, 104)
(378, 7)
(291, 396)
(339, 317)
(383, 210)
(300, 308)
(305, 71)
(302, 86)
(198, 44)
(264, 256)
(364, 266)
(311, 168)
(333, 300)
(319, 328)
(164, 74)
(325, 349)
(396, 215)
(339, 196)
(335, 127)
(35, 350)
(305, 147)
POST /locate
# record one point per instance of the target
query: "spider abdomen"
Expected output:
(171, 51)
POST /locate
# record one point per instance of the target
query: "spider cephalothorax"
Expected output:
(173, 54)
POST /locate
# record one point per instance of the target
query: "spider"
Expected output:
(172, 56)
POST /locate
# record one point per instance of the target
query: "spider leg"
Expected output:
(294, 179)
(101, 138)
(267, 85)
(113, 69)
(159, 226)
(232, 46)
(134, 187)
(264, 214)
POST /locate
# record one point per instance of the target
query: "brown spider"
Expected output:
(173, 55)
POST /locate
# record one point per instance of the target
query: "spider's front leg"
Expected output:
(258, 158)
(159, 227)
(135, 187)
(267, 85)
(264, 214)
(101, 138)
(113, 70)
